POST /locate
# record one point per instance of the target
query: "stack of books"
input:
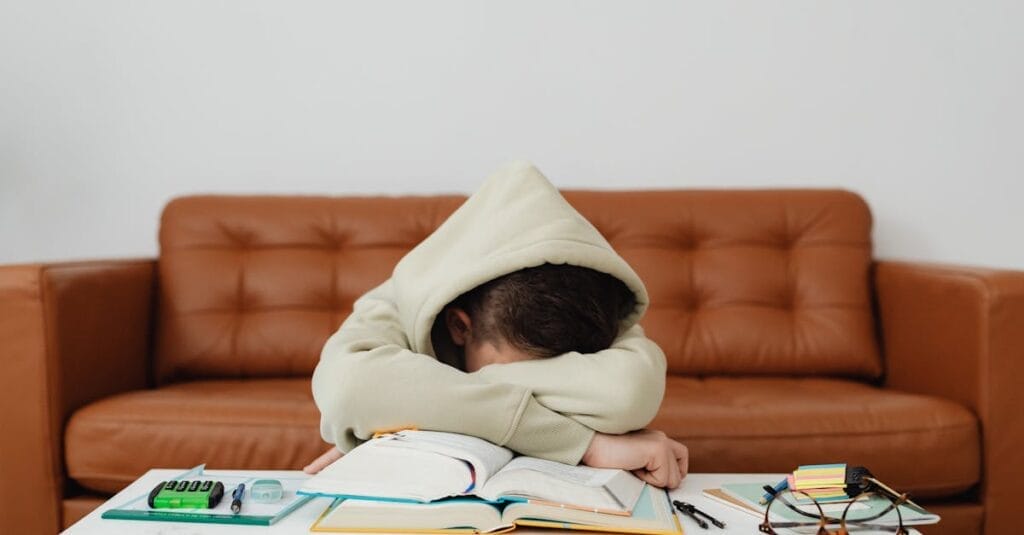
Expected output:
(431, 482)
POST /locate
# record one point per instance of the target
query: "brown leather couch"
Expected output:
(787, 344)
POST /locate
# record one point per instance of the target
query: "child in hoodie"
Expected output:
(446, 345)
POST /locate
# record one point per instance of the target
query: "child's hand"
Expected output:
(651, 455)
(322, 461)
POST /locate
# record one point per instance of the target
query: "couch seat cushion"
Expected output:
(927, 446)
(265, 424)
(923, 445)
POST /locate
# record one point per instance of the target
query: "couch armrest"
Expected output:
(958, 333)
(70, 333)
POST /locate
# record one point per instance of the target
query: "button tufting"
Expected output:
(339, 241)
(723, 259)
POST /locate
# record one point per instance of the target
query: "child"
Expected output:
(515, 322)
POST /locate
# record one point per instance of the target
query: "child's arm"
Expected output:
(368, 380)
(612, 391)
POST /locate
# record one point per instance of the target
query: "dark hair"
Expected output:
(550, 309)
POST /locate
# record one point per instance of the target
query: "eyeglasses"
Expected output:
(794, 509)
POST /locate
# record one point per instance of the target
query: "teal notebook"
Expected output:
(751, 493)
(253, 514)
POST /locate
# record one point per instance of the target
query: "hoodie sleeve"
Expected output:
(612, 391)
(369, 380)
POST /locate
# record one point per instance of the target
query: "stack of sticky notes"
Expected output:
(823, 482)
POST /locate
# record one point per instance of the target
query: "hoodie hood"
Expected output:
(516, 220)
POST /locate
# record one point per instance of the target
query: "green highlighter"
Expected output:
(186, 495)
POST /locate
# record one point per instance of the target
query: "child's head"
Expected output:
(537, 313)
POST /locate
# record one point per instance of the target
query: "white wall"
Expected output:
(109, 108)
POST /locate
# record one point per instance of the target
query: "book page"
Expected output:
(578, 475)
(653, 514)
(485, 457)
(396, 473)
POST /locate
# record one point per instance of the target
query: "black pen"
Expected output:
(715, 521)
(693, 517)
(692, 511)
(689, 512)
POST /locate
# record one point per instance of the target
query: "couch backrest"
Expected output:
(741, 282)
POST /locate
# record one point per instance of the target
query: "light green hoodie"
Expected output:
(380, 371)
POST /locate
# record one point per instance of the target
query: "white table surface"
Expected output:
(300, 520)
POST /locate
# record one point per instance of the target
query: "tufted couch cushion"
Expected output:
(749, 282)
(741, 282)
(253, 286)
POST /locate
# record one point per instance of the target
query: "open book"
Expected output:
(425, 466)
(653, 515)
